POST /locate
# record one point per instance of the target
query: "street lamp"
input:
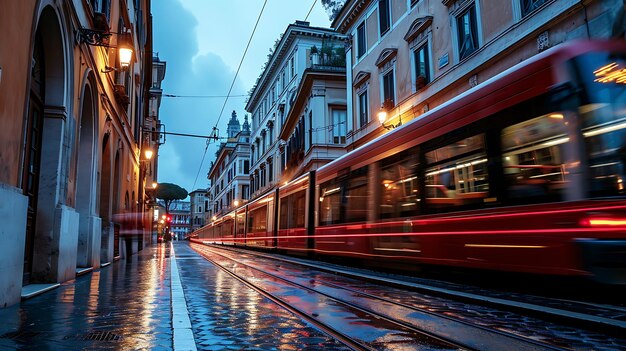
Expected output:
(382, 117)
(148, 153)
(101, 38)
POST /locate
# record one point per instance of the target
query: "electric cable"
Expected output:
(229, 91)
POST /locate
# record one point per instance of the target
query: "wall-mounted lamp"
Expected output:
(154, 185)
(382, 117)
(101, 38)
(148, 153)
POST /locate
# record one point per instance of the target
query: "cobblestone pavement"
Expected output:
(227, 315)
(125, 306)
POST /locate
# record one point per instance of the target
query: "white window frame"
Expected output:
(382, 74)
(364, 23)
(431, 71)
(455, 31)
(338, 126)
(360, 92)
(382, 35)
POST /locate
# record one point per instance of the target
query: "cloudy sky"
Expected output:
(202, 42)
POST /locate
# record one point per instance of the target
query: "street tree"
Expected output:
(169, 192)
(333, 7)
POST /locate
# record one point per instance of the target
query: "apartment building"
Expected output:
(278, 132)
(229, 174)
(406, 57)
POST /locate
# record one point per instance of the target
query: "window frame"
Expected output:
(389, 24)
(425, 45)
(363, 109)
(387, 72)
(469, 7)
(361, 47)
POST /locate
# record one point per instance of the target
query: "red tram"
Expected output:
(522, 173)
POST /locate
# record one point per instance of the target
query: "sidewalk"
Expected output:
(154, 303)
(125, 306)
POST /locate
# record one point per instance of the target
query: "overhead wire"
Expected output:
(310, 10)
(201, 96)
(229, 91)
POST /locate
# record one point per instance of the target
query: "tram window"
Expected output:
(284, 213)
(240, 223)
(533, 159)
(456, 175)
(399, 186)
(604, 121)
(330, 203)
(257, 220)
(292, 211)
(357, 196)
(299, 208)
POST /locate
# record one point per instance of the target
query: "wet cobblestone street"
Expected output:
(227, 315)
(125, 306)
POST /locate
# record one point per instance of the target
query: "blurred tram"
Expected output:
(523, 173)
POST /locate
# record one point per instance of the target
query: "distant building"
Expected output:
(274, 96)
(230, 173)
(199, 207)
(180, 211)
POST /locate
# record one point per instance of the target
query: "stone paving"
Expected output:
(227, 315)
(125, 306)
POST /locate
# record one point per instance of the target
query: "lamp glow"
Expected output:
(126, 55)
(149, 154)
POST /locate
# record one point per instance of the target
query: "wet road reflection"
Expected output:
(125, 306)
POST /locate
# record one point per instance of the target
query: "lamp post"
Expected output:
(382, 117)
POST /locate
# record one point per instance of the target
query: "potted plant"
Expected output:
(315, 56)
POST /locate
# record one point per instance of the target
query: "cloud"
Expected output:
(202, 43)
(188, 73)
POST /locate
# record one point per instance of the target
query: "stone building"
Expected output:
(229, 174)
(274, 95)
(199, 207)
(72, 109)
(408, 56)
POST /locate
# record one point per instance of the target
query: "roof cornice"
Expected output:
(293, 31)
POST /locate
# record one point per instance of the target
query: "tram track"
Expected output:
(606, 319)
(456, 333)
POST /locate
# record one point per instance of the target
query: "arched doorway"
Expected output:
(45, 121)
(104, 208)
(32, 154)
(88, 248)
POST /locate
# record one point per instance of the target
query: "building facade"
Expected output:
(72, 147)
(229, 175)
(199, 207)
(315, 127)
(273, 97)
(409, 56)
(180, 224)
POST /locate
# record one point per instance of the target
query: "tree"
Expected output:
(333, 7)
(169, 192)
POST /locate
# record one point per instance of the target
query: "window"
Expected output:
(422, 66)
(467, 32)
(293, 68)
(356, 196)
(310, 129)
(361, 40)
(363, 109)
(399, 185)
(384, 16)
(246, 167)
(330, 207)
(270, 170)
(533, 153)
(388, 90)
(529, 6)
(456, 177)
(339, 126)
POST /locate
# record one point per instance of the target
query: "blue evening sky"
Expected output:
(202, 42)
